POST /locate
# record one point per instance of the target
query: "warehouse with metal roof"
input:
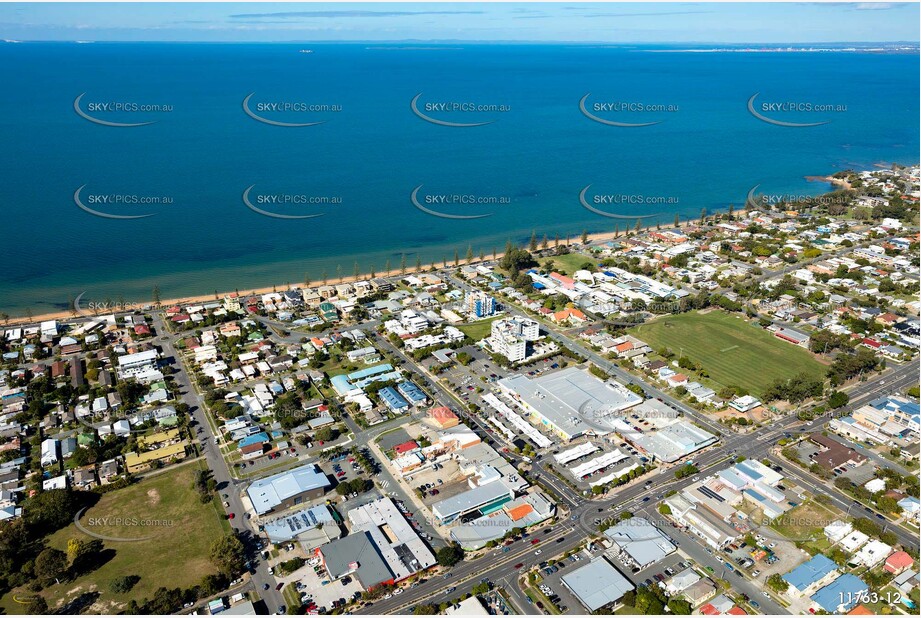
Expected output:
(597, 584)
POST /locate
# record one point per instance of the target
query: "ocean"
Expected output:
(524, 168)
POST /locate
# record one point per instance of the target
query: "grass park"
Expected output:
(568, 263)
(177, 531)
(731, 350)
(477, 330)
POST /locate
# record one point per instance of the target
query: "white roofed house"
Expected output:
(135, 365)
(50, 452)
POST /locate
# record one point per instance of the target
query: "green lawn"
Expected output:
(807, 521)
(477, 330)
(569, 262)
(733, 351)
(166, 511)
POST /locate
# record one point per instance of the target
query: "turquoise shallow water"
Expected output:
(372, 151)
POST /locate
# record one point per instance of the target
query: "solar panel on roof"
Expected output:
(710, 493)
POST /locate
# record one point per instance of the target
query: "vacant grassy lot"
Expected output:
(732, 351)
(806, 521)
(477, 330)
(165, 511)
(569, 263)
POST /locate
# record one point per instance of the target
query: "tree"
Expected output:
(532, 245)
(325, 434)
(449, 555)
(37, 606)
(123, 583)
(75, 547)
(584, 237)
(679, 607)
(777, 583)
(469, 256)
(838, 399)
(50, 565)
(51, 510)
(229, 555)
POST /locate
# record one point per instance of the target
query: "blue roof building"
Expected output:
(257, 438)
(810, 573)
(393, 399)
(411, 392)
(841, 595)
(370, 371)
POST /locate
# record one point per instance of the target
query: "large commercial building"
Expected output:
(640, 540)
(571, 402)
(287, 489)
(597, 584)
(480, 500)
(381, 548)
(524, 512)
(672, 442)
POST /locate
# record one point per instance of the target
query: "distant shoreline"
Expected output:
(202, 298)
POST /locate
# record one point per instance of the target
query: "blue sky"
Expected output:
(651, 22)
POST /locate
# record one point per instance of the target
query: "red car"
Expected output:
(535, 541)
(230, 515)
(519, 565)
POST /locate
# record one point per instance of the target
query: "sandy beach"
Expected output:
(186, 300)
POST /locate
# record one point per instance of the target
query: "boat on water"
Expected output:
(306, 51)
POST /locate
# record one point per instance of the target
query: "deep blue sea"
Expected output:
(371, 151)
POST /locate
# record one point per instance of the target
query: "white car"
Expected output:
(398, 591)
(538, 552)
